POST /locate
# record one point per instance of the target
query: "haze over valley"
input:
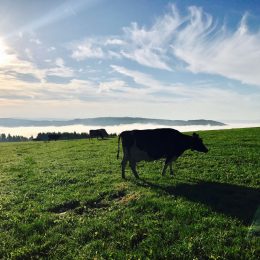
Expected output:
(116, 125)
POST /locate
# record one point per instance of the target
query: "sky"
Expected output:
(144, 58)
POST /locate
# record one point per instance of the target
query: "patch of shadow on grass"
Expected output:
(78, 207)
(254, 230)
(68, 205)
(232, 200)
(117, 195)
(95, 204)
(91, 205)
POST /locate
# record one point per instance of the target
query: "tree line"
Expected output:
(60, 136)
(63, 136)
(13, 138)
(49, 136)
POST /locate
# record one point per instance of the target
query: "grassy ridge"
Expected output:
(66, 199)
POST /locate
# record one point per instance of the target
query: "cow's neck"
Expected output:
(188, 143)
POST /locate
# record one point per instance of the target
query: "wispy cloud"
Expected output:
(195, 38)
(50, 49)
(142, 79)
(36, 41)
(13, 65)
(15, 68)
(201, 94)
(114, 85)
(208, 49)
(150, 46)
(87, 49)
(59, 70)
(99, 48)
(73, 90)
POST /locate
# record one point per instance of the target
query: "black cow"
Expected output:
(154, 144)
(102, 133)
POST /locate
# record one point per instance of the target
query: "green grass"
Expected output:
(66, 200)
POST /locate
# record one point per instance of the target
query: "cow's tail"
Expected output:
(118, 148)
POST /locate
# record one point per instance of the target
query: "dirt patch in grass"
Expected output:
(95, 204)
(129, 198)
(91, 206)
(68, 205)
(117, 195)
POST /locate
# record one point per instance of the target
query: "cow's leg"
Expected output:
(173, 159)
(168, 162)
(171, 170)
(123, 164)
(133, 168)
(164, 167)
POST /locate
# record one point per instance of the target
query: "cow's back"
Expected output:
(157, 143)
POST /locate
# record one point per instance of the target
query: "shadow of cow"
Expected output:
(232, 200)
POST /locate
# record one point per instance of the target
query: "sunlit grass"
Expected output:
(66, 200)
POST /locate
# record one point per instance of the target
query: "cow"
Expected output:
(102, 133)
(154, 144)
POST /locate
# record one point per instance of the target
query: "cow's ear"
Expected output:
(195, 135)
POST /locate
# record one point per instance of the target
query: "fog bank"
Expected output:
(33, 131)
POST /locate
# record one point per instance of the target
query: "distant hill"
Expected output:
(105, 121)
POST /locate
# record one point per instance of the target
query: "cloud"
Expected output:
(203, 44)
(73, 90)
(50, 49)
(194, 39)
(109, 86)
(197, 40)
(96, 48)
(208, 49)
(150, 47)
(60, 70)
(202, 96)
(63, 72)
(14, 70)
(114, 41)
(15, 65)
(148, 96)
(21, 79)
(35, 40)
(146, 57)
(150, 89)
(140, 78)
(59, 62)
(146, 46)
(87, 49)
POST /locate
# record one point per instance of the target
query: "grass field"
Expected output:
(66, 200)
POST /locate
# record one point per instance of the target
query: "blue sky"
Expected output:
(159, 59)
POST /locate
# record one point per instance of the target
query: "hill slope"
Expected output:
(104, 121)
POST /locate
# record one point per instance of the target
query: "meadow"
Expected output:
(66, 200)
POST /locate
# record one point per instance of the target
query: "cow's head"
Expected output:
(197, 144)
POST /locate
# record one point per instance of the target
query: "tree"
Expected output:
(3, 138)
